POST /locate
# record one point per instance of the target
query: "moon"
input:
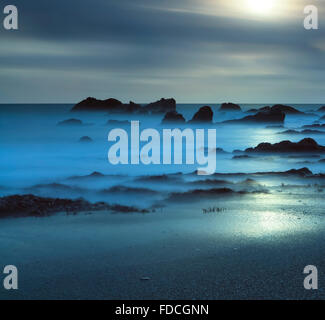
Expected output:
(260, 6)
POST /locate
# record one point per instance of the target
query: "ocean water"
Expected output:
(255, 246)
(35, 150)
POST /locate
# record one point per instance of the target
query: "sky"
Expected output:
(197, 51)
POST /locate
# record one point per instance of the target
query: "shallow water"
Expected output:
(35, 150)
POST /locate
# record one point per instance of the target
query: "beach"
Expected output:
(171, 254)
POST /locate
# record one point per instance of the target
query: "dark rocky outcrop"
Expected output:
(303, 172)
(230, 107)
(303, 146)
(161, 106)
(282, 108)
(199, 193)
(118, 122)
(205, 115)
(307, 131)
(241, 157)
(278, 107)
(133, 108)
(85, 139)
(173, 117)
(93, 175)
(93, 104)
(115, 106)
(252, 110)
(70, 122)
(316, 125)
(321, 109)
(33, 206)
(164, 178)
(270, 116)
(129, 190)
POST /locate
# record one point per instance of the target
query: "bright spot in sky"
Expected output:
(260, 6)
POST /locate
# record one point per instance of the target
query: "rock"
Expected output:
(117, 123)
(85, 139)
(33, 206)
(282, 108)
(321, 109)
(134, 108)
(278, 107)
(289, 132)
(270, 116)
(303, 146)
(92, 104)
(307, 131)
(240, 157)
(145, 279)
(115, 106)
(96, 174)
(205, 114)
(319, 126)
(252, 111)
(230, 107)
(299, 172)
(286, 109)
(173, 117)
(70, 122)
(161, 106)
(93, 175)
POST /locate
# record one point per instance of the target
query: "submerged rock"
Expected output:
(321, 109)
(230, 107)
(33, 206)
(93, 175)
(205, 114)
(70, 122)
(112, 122)
(173, 117)
(315, 125)
(307, 131)
(269, 116)
(241, 157)
(85, 139)
(303, 146)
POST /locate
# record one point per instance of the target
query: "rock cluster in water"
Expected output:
(303, 146)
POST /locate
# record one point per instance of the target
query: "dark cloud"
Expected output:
(141, 50)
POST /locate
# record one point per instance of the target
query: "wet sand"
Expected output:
(256, 252)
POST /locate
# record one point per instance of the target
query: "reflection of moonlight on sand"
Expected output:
(260, 6)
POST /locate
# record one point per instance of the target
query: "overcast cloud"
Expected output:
(141, 50)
